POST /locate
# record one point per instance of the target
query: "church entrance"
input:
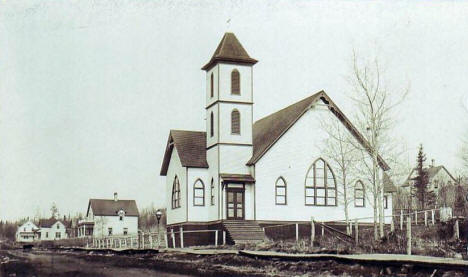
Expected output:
(235, 204)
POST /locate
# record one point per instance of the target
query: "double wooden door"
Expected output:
(235, 204)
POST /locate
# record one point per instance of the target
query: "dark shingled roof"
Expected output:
(109, 207)
(389, 186)
(247, 178)
(191, 147)
(229, 50)
(47, 223)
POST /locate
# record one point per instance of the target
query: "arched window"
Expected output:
(211, 85)
(211, 124)
(199, 193)
(176, 193)
(280, 192)
(320, 185)
(212, 192)
(235, 122)
(235, 82)
(359, 196)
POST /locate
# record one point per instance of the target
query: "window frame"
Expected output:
(233, 123)
(363, 198)
(285, 185)
(326, 188)
(202, 189)
(109, 231)
(385, 202)
(233, 82)
(176, 195)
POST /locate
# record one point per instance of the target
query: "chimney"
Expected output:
(115, 197)
(432, 165)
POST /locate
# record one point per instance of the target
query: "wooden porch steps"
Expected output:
(243, 231)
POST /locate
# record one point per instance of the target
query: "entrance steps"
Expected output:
(243, 231)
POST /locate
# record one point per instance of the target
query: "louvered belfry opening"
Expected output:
(235, 122)
(235, 82)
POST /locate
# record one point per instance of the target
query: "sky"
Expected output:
(90, 89)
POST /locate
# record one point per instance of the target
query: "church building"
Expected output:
(242, 174)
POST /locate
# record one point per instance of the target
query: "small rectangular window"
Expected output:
(125, 231)
(385, 202)
(58, 235)
(109, 230)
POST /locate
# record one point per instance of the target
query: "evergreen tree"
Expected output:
(421, 182)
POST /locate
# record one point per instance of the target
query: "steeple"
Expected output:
(230, 50)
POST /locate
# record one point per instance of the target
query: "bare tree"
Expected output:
(375, 119)
(54, 212)
(342, 154)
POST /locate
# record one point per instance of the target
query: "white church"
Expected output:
(243, 174)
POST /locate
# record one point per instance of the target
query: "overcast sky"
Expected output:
(90, 89)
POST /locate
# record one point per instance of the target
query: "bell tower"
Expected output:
(229, 106)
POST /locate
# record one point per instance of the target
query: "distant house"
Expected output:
(27, 232)
(109, 217)
(438, 176)
(52, 229)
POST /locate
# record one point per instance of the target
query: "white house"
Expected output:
(270, 171)
(438, 176)
(27, 232)
(109, 217)
(52, 229)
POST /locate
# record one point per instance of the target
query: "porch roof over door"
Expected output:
(237, 178)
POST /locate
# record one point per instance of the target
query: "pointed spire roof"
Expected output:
(229, 50)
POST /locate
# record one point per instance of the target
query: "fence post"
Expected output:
(416, 218)
(433, 217)
(150, 241)
(216, 238)
(356, 231)
(401, 219)
(350, 227)
(173, 238)
(166, 243)
(224, 237)
(408, 235)
(392, 225)
(312, 231)
(181, 237)
(323, 230)
(425, 218)
(297, 232)
(457, 230)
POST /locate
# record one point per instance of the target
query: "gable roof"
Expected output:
(432, 171)
(389, 186)
(268, 130)
(47, 223)
(110, 207)
(191, 147)
(229, 50)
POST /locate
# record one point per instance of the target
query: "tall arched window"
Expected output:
(211, 85)
(320, 185)
(211, 124)
(212, 193)
(359, 196)
(280, 192)
(199, 193)
(176, 193)
(235, 82)
(235, 122)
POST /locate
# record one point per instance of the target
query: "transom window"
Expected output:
(235, 82)
(212, 193)
(176, 193)
(359, 196)
(280, 192)
(199, 193)
(320, 185)
(235, 122)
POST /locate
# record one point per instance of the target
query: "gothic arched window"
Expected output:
(359, 199)
(320, 185)
(176, 193)
(280, 192)
(211, 85)
(199, 193)
(211, 124)
(235, 82)
(235, 122)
